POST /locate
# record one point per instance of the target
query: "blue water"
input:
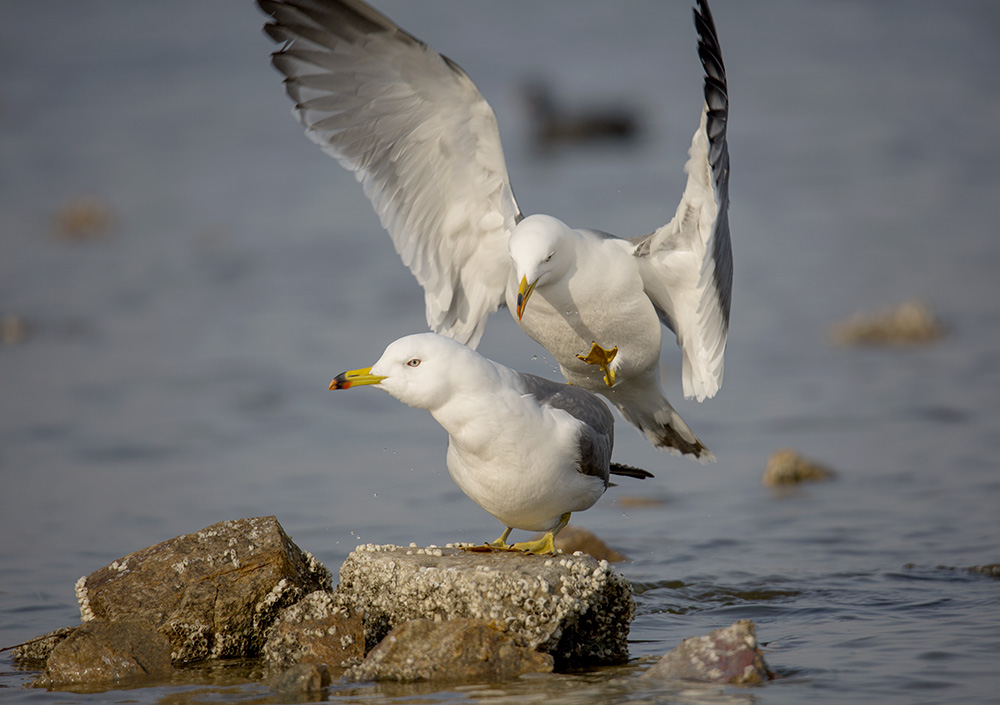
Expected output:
(174, 372)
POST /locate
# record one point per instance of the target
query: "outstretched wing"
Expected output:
(419, 137)
(687, 265)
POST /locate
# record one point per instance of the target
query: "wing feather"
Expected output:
(687, 265)
(421, 140)
(597, 430)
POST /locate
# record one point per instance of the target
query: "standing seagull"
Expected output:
(425, 146)
(528, 451)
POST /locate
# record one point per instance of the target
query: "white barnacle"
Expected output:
(86, 614)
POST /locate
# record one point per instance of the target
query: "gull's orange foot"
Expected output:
(602, 358)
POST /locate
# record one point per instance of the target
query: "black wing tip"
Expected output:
(629, 471)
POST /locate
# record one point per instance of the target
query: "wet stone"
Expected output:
(728, 655)
(302, 679)
(470, 650)
(788, 467)
(315, 630)
(575, 608)
(34, 653)
(100, 653)
(212, 593)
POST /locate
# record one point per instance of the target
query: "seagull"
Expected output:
(527, 450)
(424, 144)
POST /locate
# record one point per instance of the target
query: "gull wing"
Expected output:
(597, 432)
(419, 137)
(687, 265)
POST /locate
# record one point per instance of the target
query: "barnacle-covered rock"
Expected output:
(315, 630)
(573, 607)
(212, 593)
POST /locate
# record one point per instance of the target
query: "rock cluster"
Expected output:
(243, 589)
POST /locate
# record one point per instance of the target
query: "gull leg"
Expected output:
(545, 544)
(601, 357)
(501, 542)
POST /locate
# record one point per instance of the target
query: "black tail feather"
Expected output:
(629, 471)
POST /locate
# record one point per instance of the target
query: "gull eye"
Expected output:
(549, 258)
(415, 362)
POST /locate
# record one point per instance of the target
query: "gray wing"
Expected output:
(687, 265)
(420, 138)
(597, 434)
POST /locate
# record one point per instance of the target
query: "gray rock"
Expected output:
(302, 679)
(575, 608)
(212, 593)
(456, 650)
(315, 630)
(728, 655)
(101, 653)
(787, 467)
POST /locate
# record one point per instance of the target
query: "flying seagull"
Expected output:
(419, 136)
(527, 450)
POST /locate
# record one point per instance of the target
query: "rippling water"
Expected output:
(173, 373)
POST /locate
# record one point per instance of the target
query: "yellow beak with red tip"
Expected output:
(354, 378)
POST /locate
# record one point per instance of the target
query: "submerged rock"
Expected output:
(302, 679)
(315, 630)
(909, 323)
(728, 655)
(83, 219)
(575, 608)
(575, 538)
(212, 593)
(787, 467)
(13, 329)
(101, 653)
(456, 650)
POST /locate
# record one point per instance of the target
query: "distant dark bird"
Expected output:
(553, 125)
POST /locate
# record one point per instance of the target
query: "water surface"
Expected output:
(174, 372)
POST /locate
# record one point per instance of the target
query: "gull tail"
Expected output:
(629, 471)
(664, 427)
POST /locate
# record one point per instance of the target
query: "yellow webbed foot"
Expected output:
(544, 545)
(601, 357)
